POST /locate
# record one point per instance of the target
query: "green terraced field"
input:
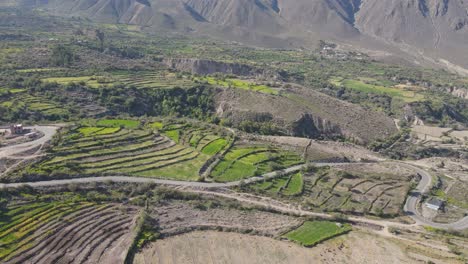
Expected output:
(237, 83)
(90, 81)
(132, 151)
(287, 185)
(363, 86)
(32, 103)
(60, 223)
(246, 161)
(215, 146)
(118, 123)
(312, 233)
(331, 190)
(160, 79)
(18, 225)
(154, 80)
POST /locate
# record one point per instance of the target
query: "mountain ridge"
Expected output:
(427, 31)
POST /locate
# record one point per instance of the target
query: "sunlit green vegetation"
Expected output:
(214, 146)
(369, 85)
(118, 123)
(246, 161)
(238, 83)
(18, 226)
(312, 233)
(122, 147)
(288, 185)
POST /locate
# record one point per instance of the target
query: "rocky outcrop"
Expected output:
(305, 113)
(459, 92)
(205, 67)
(310, 126)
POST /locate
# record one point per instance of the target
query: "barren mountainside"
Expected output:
(432, 31)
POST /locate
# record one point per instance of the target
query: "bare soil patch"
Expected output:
(326, 150)
(179, 217)
(216, 247)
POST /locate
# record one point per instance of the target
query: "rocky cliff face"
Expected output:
(310, 126)
(459, 92)
(305, 113)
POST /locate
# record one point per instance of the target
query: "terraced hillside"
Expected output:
(126, 147)
(65, 232)
(154, 79)
(288, 185)
(248, 160)
(36, 104)
(23, 104)
(364, 189)
(159, 79)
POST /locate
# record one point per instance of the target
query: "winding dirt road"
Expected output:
(414, 198)
(18, 152)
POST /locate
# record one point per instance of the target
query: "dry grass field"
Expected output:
(216, 247)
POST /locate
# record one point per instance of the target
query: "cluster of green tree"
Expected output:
(196, 102)
(262, 128)
(443, 113)
(63, 56)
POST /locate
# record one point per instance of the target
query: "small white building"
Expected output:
(435, 204)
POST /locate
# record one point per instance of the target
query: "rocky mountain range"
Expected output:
(428, 32)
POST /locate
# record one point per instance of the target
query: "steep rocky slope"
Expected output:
(306, 113)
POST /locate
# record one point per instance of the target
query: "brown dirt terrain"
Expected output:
(324, 115)
(215, 247)
(325, 150)
(178, 217)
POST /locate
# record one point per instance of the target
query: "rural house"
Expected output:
(435, 204)
(16, 129)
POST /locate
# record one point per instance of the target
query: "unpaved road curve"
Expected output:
(18, 152)
(48, 131)
(411, 205)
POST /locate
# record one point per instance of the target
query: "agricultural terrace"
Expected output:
(370, 85)
(238, 83)
(16, 98)
(363, 190)
(289, 185)
(126, 147)
(245, 161)
(314, 232)
(59, 231)
(153, 80)
(159, 80)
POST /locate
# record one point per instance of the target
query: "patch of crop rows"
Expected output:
(330, 192)
(38, 104)
(288, 185)
(63, 232)
(133, 152)
(247, 161)
(155, 80)
(125, 152)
